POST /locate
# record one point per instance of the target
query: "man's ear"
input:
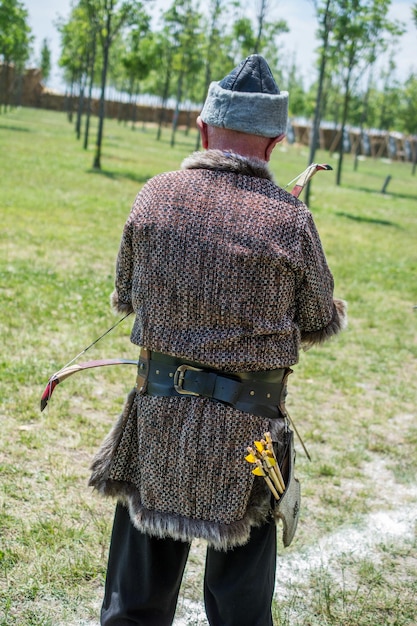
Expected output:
(272, 143)
(203, 132)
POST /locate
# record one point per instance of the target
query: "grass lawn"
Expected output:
(353, 400)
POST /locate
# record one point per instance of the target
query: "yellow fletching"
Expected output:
(258, 471)
(259, 446)
(250, 458)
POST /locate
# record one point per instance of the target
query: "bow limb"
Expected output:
(66, 372)
(69, 369)
(306, 176)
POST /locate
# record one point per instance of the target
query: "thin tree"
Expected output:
(90, 31)
(137, 58)
(360, 30)
(187, 61)
(256, 36)
(179, 44)
(45, 60)
(91, 64)
(75, 50)
(111, 16)
(261, 16)
(325, 19)
(413, 83)
(211, 44)
(165, 59)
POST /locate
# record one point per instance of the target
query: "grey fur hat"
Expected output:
(248, 100)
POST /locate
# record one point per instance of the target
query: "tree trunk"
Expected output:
(164, 101)
(177, 108)
(70, 101)
(318, 109)
(344, 120)
(97, 157)
(261, 18)
(7, 86)
(80, 109)
(90, 92)
(210, 52)
(364, 117)
(133, 94)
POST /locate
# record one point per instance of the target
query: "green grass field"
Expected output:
(353, 400)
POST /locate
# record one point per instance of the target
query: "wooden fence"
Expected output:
(28, 90)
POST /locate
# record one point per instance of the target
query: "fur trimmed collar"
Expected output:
(228, 162)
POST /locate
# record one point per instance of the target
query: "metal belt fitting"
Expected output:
(179, 379)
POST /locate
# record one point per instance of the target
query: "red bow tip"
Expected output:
(49, 389)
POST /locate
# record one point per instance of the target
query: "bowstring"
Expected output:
(93, 343)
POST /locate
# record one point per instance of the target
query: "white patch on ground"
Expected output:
(194, 614)
(396, 520)
(359, 541)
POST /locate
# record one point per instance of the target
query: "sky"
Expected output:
(300, 42)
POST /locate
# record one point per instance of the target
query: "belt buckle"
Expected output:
(179, 379)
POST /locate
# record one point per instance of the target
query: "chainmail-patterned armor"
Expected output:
(223, 267)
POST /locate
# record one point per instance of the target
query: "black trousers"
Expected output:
(144, 576)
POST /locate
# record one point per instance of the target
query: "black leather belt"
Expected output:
(259, 393)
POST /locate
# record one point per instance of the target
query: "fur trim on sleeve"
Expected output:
(120, 307)
(335, 326)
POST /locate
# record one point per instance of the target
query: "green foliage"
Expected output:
(298, 103)
(360, 32)
(243, 37)
(248, 36)
(15, 33)
(77, 42)
(408, 105)
(139, 52)
(213, 49)
(45, 60)
(184, 24)
(178, 57)
(15, 45)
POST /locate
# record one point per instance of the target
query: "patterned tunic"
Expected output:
(223, 267)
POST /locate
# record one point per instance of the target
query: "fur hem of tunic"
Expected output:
(120, 307)
(101, 464)
(220, 535)
(229, 162)
(336, 325)
(164, 525)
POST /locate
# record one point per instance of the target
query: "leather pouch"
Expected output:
(287, 508)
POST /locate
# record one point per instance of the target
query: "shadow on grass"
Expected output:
(394, 194)
(137, 178)
(21, 129)
(367, 220)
